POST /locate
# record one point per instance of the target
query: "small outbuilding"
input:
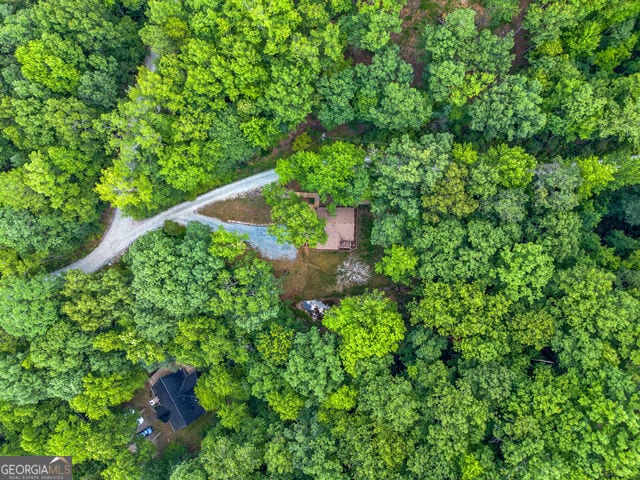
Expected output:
(315, 308)
(175, 400)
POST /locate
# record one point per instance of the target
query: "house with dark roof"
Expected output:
(175, 400)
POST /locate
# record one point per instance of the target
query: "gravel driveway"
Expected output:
(123, 231)
(257, 236)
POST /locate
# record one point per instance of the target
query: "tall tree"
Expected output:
(368, 326)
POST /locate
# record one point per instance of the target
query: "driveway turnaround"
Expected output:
(123, 231)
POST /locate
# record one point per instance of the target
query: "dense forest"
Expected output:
(496, 144)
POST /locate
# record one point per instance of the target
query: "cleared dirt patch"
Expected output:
(250, 208)
(312, 275)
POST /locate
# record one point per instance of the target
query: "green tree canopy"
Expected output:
(368, 326)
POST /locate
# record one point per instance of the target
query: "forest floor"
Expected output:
(520, 39)
(415, 14)
(312, 275)
(248, 208)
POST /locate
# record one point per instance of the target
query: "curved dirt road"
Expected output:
(124, 231)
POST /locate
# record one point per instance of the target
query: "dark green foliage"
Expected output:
(507, 218)
(173, 275)
(313, 368)
(462, 61)
(172, 457)
(380, 93)
(509, 110)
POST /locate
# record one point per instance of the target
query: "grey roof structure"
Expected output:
(179, 405)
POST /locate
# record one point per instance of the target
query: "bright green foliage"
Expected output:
(577, 109)
(123, 186)
(344, 398)
(399, 263)
(64, 65)
(96, 301)
(462, 61)
(104, 441)
(518, 263)
(268, 384)
(101, 392)
(464, 153)
(206, 341)
(226, 245)
(231, 79)
(313, 368)
(219, 387)
(583, 56)
(275, 344)
(515, 166)
(368, 325)
(63, 176)
(293, 220)
(277, 456)
(336, 171)
(560, 414)
(224, 455)
(532, 327)
(386, 97)
(599, 319)
(287, 403)
(29, 306)
(596, 175)
(52, 62)
(524, 271)
(466, 313)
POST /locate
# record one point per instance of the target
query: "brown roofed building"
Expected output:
(341, 229)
